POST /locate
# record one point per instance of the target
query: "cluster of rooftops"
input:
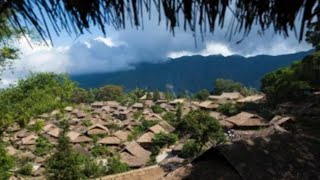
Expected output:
(113, 123)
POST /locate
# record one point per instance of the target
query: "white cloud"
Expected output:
(211, 48)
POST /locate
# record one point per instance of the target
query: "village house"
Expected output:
(166, 126)
(252, 99)
(137, 106)
(145, 140)
(77, 137)
(152, 117)
(122, 135)
(226, 97)
(97, 104)
(134, 155)
(208, 105)
(245, 120)
(110, 141)
(97, 129)
(157, 129)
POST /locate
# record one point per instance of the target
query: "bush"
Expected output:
(6, 163)
(116, 166)
(137, 115)
(157, 109)
(82, 96)
(170, 117)
(229, 109)
(143, 127)
(26, 169)
(110, 93)
(190, 149)
(93, 169)
(37, 126)
(43, 146)
(100, 150)
(202, 127)
(202, 95)
(162, 139)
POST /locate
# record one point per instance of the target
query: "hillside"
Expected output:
(192, 73)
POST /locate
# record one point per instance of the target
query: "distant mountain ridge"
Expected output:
(192, 73)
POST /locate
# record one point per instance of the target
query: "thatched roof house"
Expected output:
(146, 138)
(245, 119)
(97, 129)
(29, 140)
(97, 104)
(252, 99)
(113, 104)
(134, 155)
(137, 106)
(111, 140)
(54, 132)
(77, 137)
(166, 126)
(122, 135)
(210, 105)
(157, 129)
(152, 117)
(48, 127)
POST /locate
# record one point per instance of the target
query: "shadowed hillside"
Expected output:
(192, 73)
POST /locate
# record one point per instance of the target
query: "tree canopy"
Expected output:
(77, 16)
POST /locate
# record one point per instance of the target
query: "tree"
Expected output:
(149, 96)
(116, 166)
(284, 84)
(156, 95)
(6, 163)
(162, 139)
(202, 127)
(190, 149)
(229, 109)
(76, 16)
(65, 164)
(37, 94)
(157, 109)
(110, 93)
(228, 85)
(202, 95)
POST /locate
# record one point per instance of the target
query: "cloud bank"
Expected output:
(121, 50)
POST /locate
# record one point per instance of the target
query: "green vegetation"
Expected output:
(100, 150)
(116, 166)
(6, 163)
(68, 164)
(37, 94)
(162, 139)
(229, 109)
(143, 127)
(110, 93)
(43, 146)
(26, 169)
(37, 126)
(202, 127)
(156, 95)
(202, 95)
(137, 115)
(190, 149)
(157, 109)
(228, 85)
(170, 117)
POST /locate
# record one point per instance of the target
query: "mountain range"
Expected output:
(192, 73)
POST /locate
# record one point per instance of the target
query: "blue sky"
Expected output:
(120, 50)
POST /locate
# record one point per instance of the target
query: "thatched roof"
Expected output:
(122, 135)
(152, 117)
(166, 126)
(111, 140)
(146, 138)
(97, 104)
(23, 133)
(136, 150)
(68, 108)
(72, 135)
(97, 129)
(208, 105)
(54, 132)
(48, 127)
(253, 98)
(113, 104)
(177, 101)
(247, 119)
(137, 105)
(132, 161)
(226, 124)
(217, 115)
(81, 114)
(157, 129)
(279, 120)
(79, 128)
(81, 139)
(29, 140)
